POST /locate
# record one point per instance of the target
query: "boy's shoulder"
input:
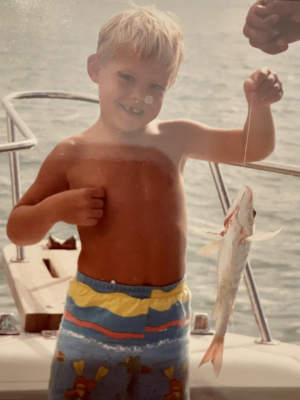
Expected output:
(71, 146)
(179, 126)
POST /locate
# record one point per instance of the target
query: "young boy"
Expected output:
(124, 333)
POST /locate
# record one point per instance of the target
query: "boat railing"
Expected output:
(13, 147)
(13, 121)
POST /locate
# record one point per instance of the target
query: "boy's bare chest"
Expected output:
(125, 172)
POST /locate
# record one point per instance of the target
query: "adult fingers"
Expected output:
(264, 2)
(285, 8)
(276, 46)
(258, 37)
(260, 19)
(262, 31)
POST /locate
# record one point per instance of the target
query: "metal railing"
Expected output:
(13, 146)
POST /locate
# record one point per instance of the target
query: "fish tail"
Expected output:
(215, 354)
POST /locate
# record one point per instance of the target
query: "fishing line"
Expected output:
(248, 131)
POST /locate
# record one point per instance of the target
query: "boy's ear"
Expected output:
(171, 83)
(93, 64)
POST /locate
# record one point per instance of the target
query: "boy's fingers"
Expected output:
(259, 77)
(97, 203)
(90, 222)
(261, 81)
(96, 213)
(96, 193)
(267, 84)
(274, 93)
(249, 85)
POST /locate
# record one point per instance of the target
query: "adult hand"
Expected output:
(273, 25)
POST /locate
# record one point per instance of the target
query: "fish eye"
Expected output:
(254, 213)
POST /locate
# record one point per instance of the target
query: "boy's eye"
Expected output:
(126, 77)
(156, 86)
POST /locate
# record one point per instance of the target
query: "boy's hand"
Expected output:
(81, 207)
(263, 87)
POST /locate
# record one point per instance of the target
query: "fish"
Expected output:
(233, 249)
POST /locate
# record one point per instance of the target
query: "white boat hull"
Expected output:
(249, 370)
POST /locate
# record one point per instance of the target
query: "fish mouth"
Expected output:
(243, 198)
(132, 110)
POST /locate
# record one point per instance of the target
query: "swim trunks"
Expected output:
(122, 342)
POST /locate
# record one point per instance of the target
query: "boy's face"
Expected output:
(131, 91)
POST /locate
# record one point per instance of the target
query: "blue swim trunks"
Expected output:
(122, 342)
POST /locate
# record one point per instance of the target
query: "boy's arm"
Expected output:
(230, 145)
(49, 200)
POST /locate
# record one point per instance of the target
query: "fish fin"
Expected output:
(211, 248)
(215, 354)
(261, 236)
(213, 233)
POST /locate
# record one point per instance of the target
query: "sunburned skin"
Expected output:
(141, 238)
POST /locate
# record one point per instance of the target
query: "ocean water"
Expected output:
(44, 46)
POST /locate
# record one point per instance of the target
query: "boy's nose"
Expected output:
(141, 99)
(138, 95)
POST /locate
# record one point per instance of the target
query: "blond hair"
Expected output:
(150, 33)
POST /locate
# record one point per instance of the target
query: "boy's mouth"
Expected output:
(132, 110)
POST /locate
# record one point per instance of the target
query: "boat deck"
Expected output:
(39, 285)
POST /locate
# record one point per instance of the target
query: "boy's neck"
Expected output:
(106, 131)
